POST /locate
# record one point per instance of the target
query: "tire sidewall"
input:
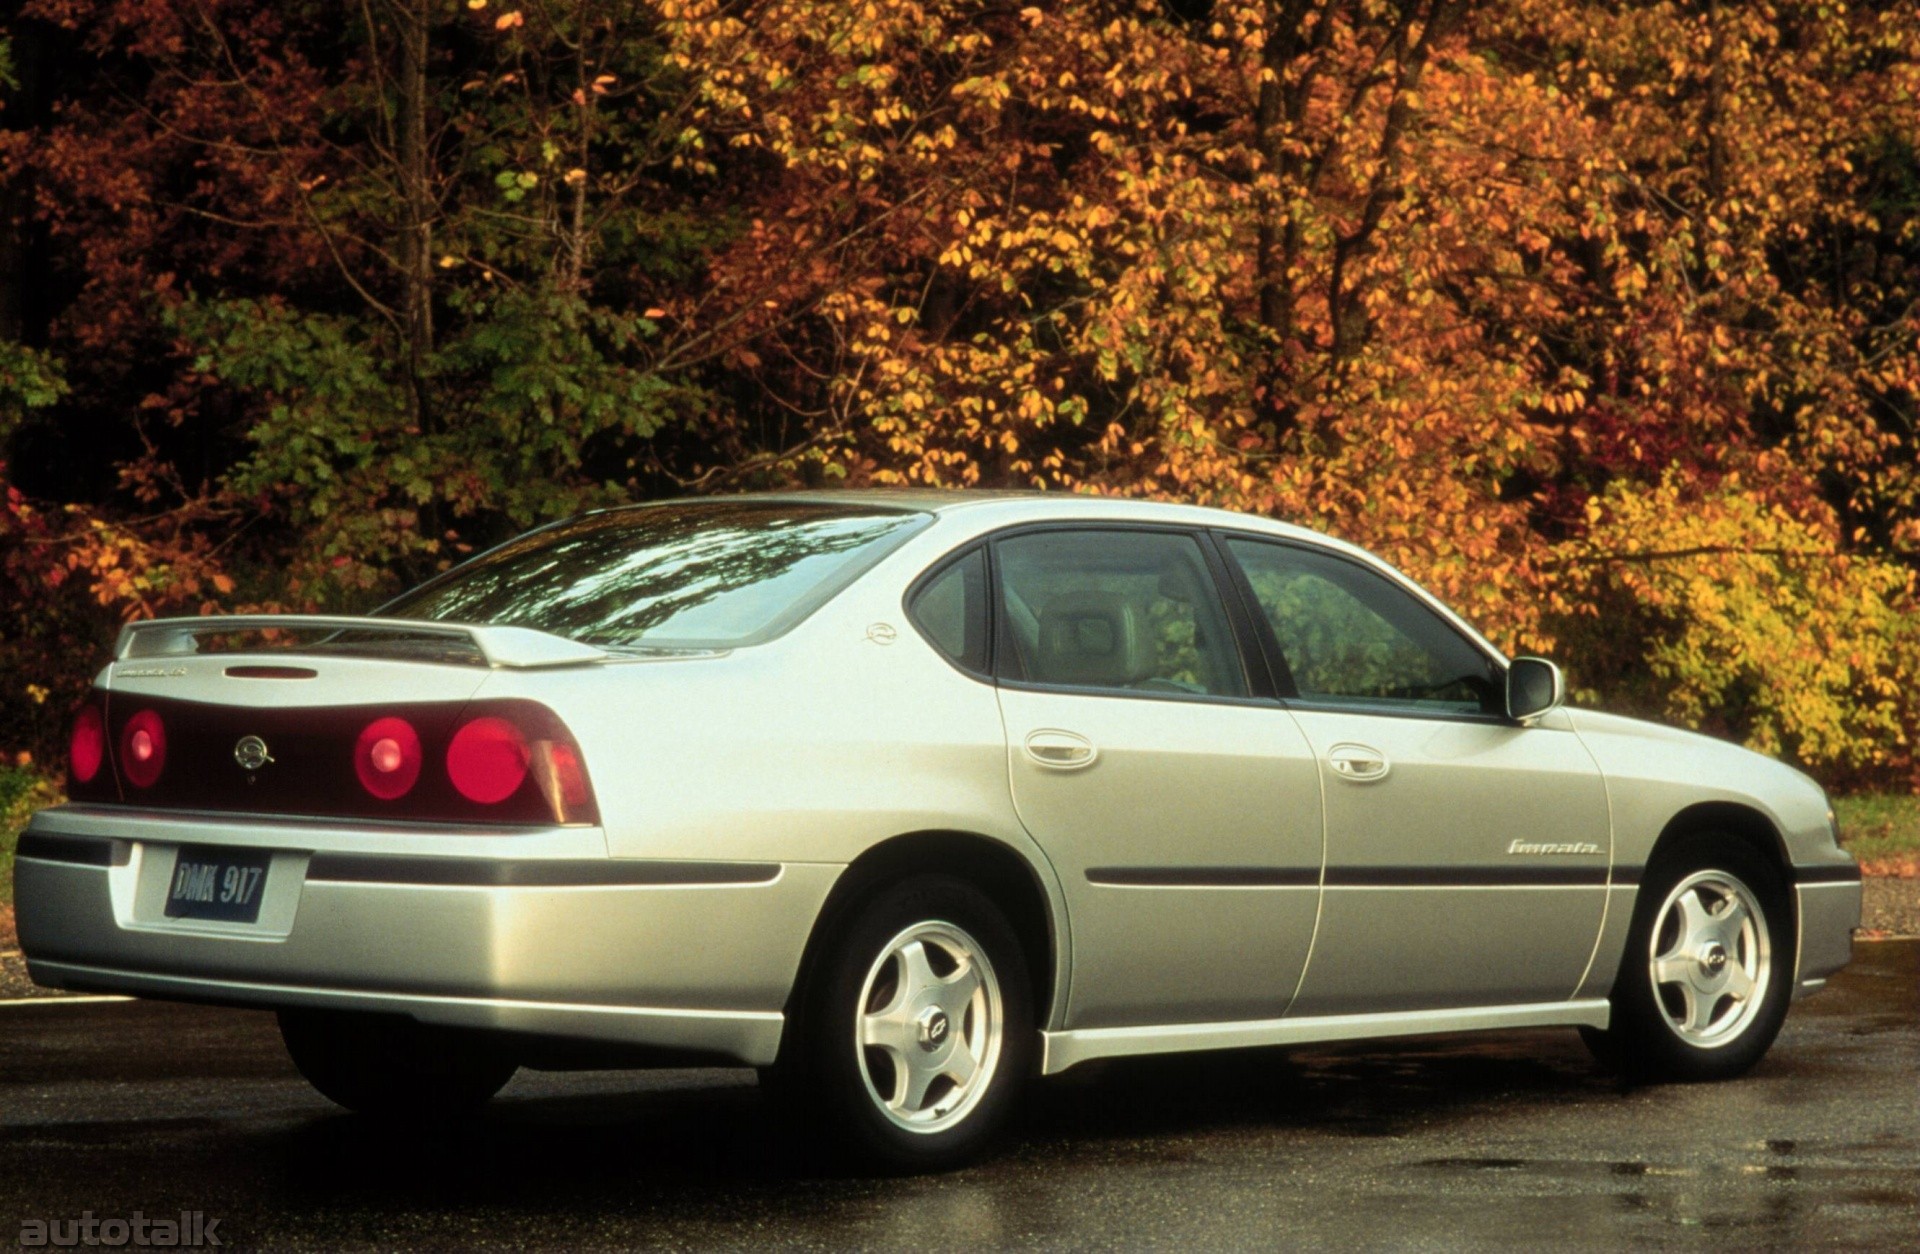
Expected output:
(831, 1054)
(1643, 1040)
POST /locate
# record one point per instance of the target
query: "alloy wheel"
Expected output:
(1710, 959)
(929, 1027)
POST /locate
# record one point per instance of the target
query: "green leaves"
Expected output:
(530, 383)
(29, 379)
(515, 184)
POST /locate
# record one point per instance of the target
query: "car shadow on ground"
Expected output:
(685, 1131)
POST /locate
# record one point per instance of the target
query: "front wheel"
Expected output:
(1708, 972)
(389, 1066)
(919, 1029)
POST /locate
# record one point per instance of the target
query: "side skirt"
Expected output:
(1061, 1050)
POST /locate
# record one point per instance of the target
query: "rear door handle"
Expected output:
(1360, 764)
(1060, 750)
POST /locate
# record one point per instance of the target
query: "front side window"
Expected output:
(1119, 610)
(1351, 637)
(685, 574)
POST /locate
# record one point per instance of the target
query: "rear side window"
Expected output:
(950, 609)
(1135, 611)
(685, 574)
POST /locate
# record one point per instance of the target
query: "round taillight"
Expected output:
(143, 749)
(387, 758)
(487, 760)
(88, 748)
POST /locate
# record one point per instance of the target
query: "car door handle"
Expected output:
(1060, 750)
(1360, 764)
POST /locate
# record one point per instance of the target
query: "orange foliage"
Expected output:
(1602, 320)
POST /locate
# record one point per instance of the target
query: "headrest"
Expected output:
(1099, 638)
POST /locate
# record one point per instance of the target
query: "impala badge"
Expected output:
(1547, 847)
(251, 753)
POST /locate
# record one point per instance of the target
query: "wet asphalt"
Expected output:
(1444, 1143)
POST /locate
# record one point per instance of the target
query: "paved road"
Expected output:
(1455, 1142)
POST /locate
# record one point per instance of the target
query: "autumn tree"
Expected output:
(1602, 320)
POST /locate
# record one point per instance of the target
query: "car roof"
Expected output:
(1013, 505)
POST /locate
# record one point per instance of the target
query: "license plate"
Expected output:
(212, 883)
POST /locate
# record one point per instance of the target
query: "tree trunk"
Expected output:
(1277, 115)
(416, 189)
(1716, 105)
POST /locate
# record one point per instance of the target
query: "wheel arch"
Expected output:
(1753, 828)
(1003, 872)
(1742, 822)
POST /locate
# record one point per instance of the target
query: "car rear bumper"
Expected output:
(534, 931)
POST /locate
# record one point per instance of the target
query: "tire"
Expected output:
(1708, 971)
(930, 973)
(393, 1067)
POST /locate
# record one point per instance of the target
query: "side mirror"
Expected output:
(1534, 687)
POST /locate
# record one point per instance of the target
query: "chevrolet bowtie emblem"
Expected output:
(251, 753)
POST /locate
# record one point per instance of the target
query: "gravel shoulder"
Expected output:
(13, 979)
(1891, 907)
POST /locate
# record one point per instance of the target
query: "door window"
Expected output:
(1353, 638)
(1135, 611)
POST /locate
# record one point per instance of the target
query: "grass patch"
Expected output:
(1883, 831)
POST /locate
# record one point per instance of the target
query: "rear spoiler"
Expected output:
(516, 648)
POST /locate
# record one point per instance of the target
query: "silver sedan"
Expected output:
(906, 798)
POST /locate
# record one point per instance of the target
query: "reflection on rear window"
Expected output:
(680, 575)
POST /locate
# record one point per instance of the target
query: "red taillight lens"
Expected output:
(487, 760)
(387, 758)
(563, 780)
(88, 748)
(143, 749)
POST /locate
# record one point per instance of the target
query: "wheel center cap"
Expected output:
(934, 1027)
(1714, 959)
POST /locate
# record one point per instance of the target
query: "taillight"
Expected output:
(143, 749)
(88, 747)
(491, 758)
(487, 760)
(387, 758)
(562, 780)
(501, 762)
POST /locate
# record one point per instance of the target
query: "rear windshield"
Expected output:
(683, 575)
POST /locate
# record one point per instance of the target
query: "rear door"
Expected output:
(1179, 805)
(1467, 855)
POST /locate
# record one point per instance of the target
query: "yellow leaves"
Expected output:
(509, 21)
(1757, 602)
(1058, 228)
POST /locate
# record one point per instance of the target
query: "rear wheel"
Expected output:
(918, 1030)
(1704, 985)
(391, 1066)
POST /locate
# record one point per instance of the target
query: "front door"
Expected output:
(1467, 856)
(1181, 814)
